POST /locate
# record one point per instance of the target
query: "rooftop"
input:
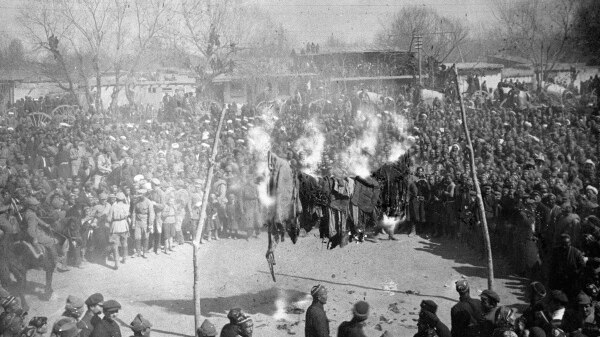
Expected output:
(475, 65)
(358, 50)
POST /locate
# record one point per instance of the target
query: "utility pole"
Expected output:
(419, 45)
(200, 226)
(484, 226)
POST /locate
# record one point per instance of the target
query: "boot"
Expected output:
(83, 259)
(413, 230)
(116, 255)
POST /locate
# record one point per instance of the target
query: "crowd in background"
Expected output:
(121, 190)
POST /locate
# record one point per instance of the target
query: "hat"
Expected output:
(94, 299)
(559, 296)
(74, 303)
(583, 298)
(155, 181)
(361, 310)
(142, 191)
(536, 331)
(38, 321)
(429, 305)
(491, 295)
(207, 329)
(103, 196)
(235, 315)
(175, 145)
(111, 305)
(589, 161)
(538, 288)
(120, 196)
(591, 188)
(140, 324)
(138, 178)
(69, 329)
(462, 286)
(316, 290)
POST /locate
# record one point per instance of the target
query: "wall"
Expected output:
(492, 78)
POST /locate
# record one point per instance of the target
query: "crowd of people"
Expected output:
(117, 190)
(97, 317)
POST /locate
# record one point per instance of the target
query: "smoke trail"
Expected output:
(280, 305)
(259, 144)
(399, 147)
(311, 145)
(357, 157)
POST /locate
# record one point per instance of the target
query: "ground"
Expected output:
(393, 276)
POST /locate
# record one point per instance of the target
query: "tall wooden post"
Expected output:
(200, 227)
(486, 234)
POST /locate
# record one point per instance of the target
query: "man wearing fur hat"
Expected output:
(429, 324)
(207, 329)
(317, 324)
(466, 313)
(354, 327)
(239, 324)
(140, 326)
(74, 307)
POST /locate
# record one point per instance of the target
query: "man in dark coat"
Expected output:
(354, 327)
(317, 324)
(91, 317)
(566, 264)
(489, 304)
(108, 327)
(466, 313)
(429, 323)
(239, 324)
(419, 193)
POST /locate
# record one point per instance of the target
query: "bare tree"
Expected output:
(137, 26)
(210, 31)
(91, 21)
(539, 30)
(441, 35)
(47, 30)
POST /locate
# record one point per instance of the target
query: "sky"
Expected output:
(315, 20)
(359, 20)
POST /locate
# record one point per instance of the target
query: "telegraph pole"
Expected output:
(419, 45)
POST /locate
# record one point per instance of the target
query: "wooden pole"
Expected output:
(486, 234)
(200, 227)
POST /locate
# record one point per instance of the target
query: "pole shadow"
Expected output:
(263, 302)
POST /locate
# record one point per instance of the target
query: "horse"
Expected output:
(20, 256)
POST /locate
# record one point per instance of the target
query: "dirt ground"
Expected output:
(393, 276)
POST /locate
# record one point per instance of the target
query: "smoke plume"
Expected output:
(356, 159)
(259, 144)
(401, 145)
(311, 145)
